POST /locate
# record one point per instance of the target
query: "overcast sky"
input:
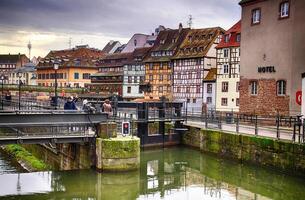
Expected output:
(49, 24)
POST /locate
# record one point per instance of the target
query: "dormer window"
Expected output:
(190, 38)
(284, 9)
(135, 42)
(227, 37)
(162, 41)
(174, 40)
(256, 16)
(238, 37)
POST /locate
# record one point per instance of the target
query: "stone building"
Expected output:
(272, 56)
(27, 74)
(228, 68)
(134, 74)
(195, 56)
(158, 66)
(75, 67)
(10, 62)
(109, 78)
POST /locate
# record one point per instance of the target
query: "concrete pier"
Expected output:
(118, 154)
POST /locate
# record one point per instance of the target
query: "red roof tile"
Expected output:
(232, 32)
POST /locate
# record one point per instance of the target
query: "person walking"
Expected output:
(70, 104)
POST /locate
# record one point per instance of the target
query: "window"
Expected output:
(129, 68)
(151, 66)
(150, 77)
(225, 53)
(209, 100)
(281, 88)
(225, 86)
(187, 89)
(256, 16)
(284, 9)
(160, 77)
(129, 79)
(253, 87)
(209, 88)
(227, 37)
(76, 75)
(188, 100)
(237, 101)
(224, 101)
(225, 69)
(197, 89)
(237, 86)
(128, 90)
(194, 100)
(142, 79)
(238, 37)
(135, 79)
(85, 76)
(160, 89)
(178, 89)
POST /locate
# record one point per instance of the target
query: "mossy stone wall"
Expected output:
(118, 154)
(284, 155)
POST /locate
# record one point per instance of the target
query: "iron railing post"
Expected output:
(237, 124)
(277, 127)
(206, 118)
(219, 120)
(256, 128)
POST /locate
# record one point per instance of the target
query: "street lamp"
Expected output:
(19, 75)
(2, 78)
(55, 66)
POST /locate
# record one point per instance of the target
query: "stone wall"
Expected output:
(265, 102)
(65, 156)
(283, 155)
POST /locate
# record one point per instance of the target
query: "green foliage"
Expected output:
(40, 89)
(22, 154)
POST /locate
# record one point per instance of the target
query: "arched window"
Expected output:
(281, 87)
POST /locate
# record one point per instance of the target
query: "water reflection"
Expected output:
(169, 174)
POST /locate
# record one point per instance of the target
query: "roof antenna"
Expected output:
(70, 42)
(29, 47)
(190, 21)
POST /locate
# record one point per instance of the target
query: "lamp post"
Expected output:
(55, 65)
(19, 74)
(2, 95)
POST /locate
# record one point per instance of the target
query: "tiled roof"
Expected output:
(139, 54)
(115, 59)
(198, 42)
(76, 57)
(232, 33)
(211, 76)
(246, 1)
(10, 58)
(109, 46)
(167, 40)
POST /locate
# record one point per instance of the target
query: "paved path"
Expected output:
(285, 134)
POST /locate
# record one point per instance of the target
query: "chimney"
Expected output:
(180, 27)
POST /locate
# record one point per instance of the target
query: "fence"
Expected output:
(280, 127)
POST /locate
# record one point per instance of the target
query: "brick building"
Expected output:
(10, 62)
(272, 56)
(75, 67)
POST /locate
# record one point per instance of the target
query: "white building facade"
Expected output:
(27, 75)
(228, 69)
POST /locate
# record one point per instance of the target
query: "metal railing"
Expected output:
(279, 127)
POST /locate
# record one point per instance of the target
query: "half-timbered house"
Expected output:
(158, 66)
(196, 56)
(228, 68)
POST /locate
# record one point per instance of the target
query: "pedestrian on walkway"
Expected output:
(70, 105)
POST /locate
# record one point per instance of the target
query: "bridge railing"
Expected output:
(279, 127)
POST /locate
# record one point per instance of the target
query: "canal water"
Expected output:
(174, 173)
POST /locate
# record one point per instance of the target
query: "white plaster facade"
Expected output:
(133, 75)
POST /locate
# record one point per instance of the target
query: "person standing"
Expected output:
(70, 104)
(107, 108)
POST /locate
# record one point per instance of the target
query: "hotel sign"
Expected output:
(267, 69)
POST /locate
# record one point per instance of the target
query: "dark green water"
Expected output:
(176, 173)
